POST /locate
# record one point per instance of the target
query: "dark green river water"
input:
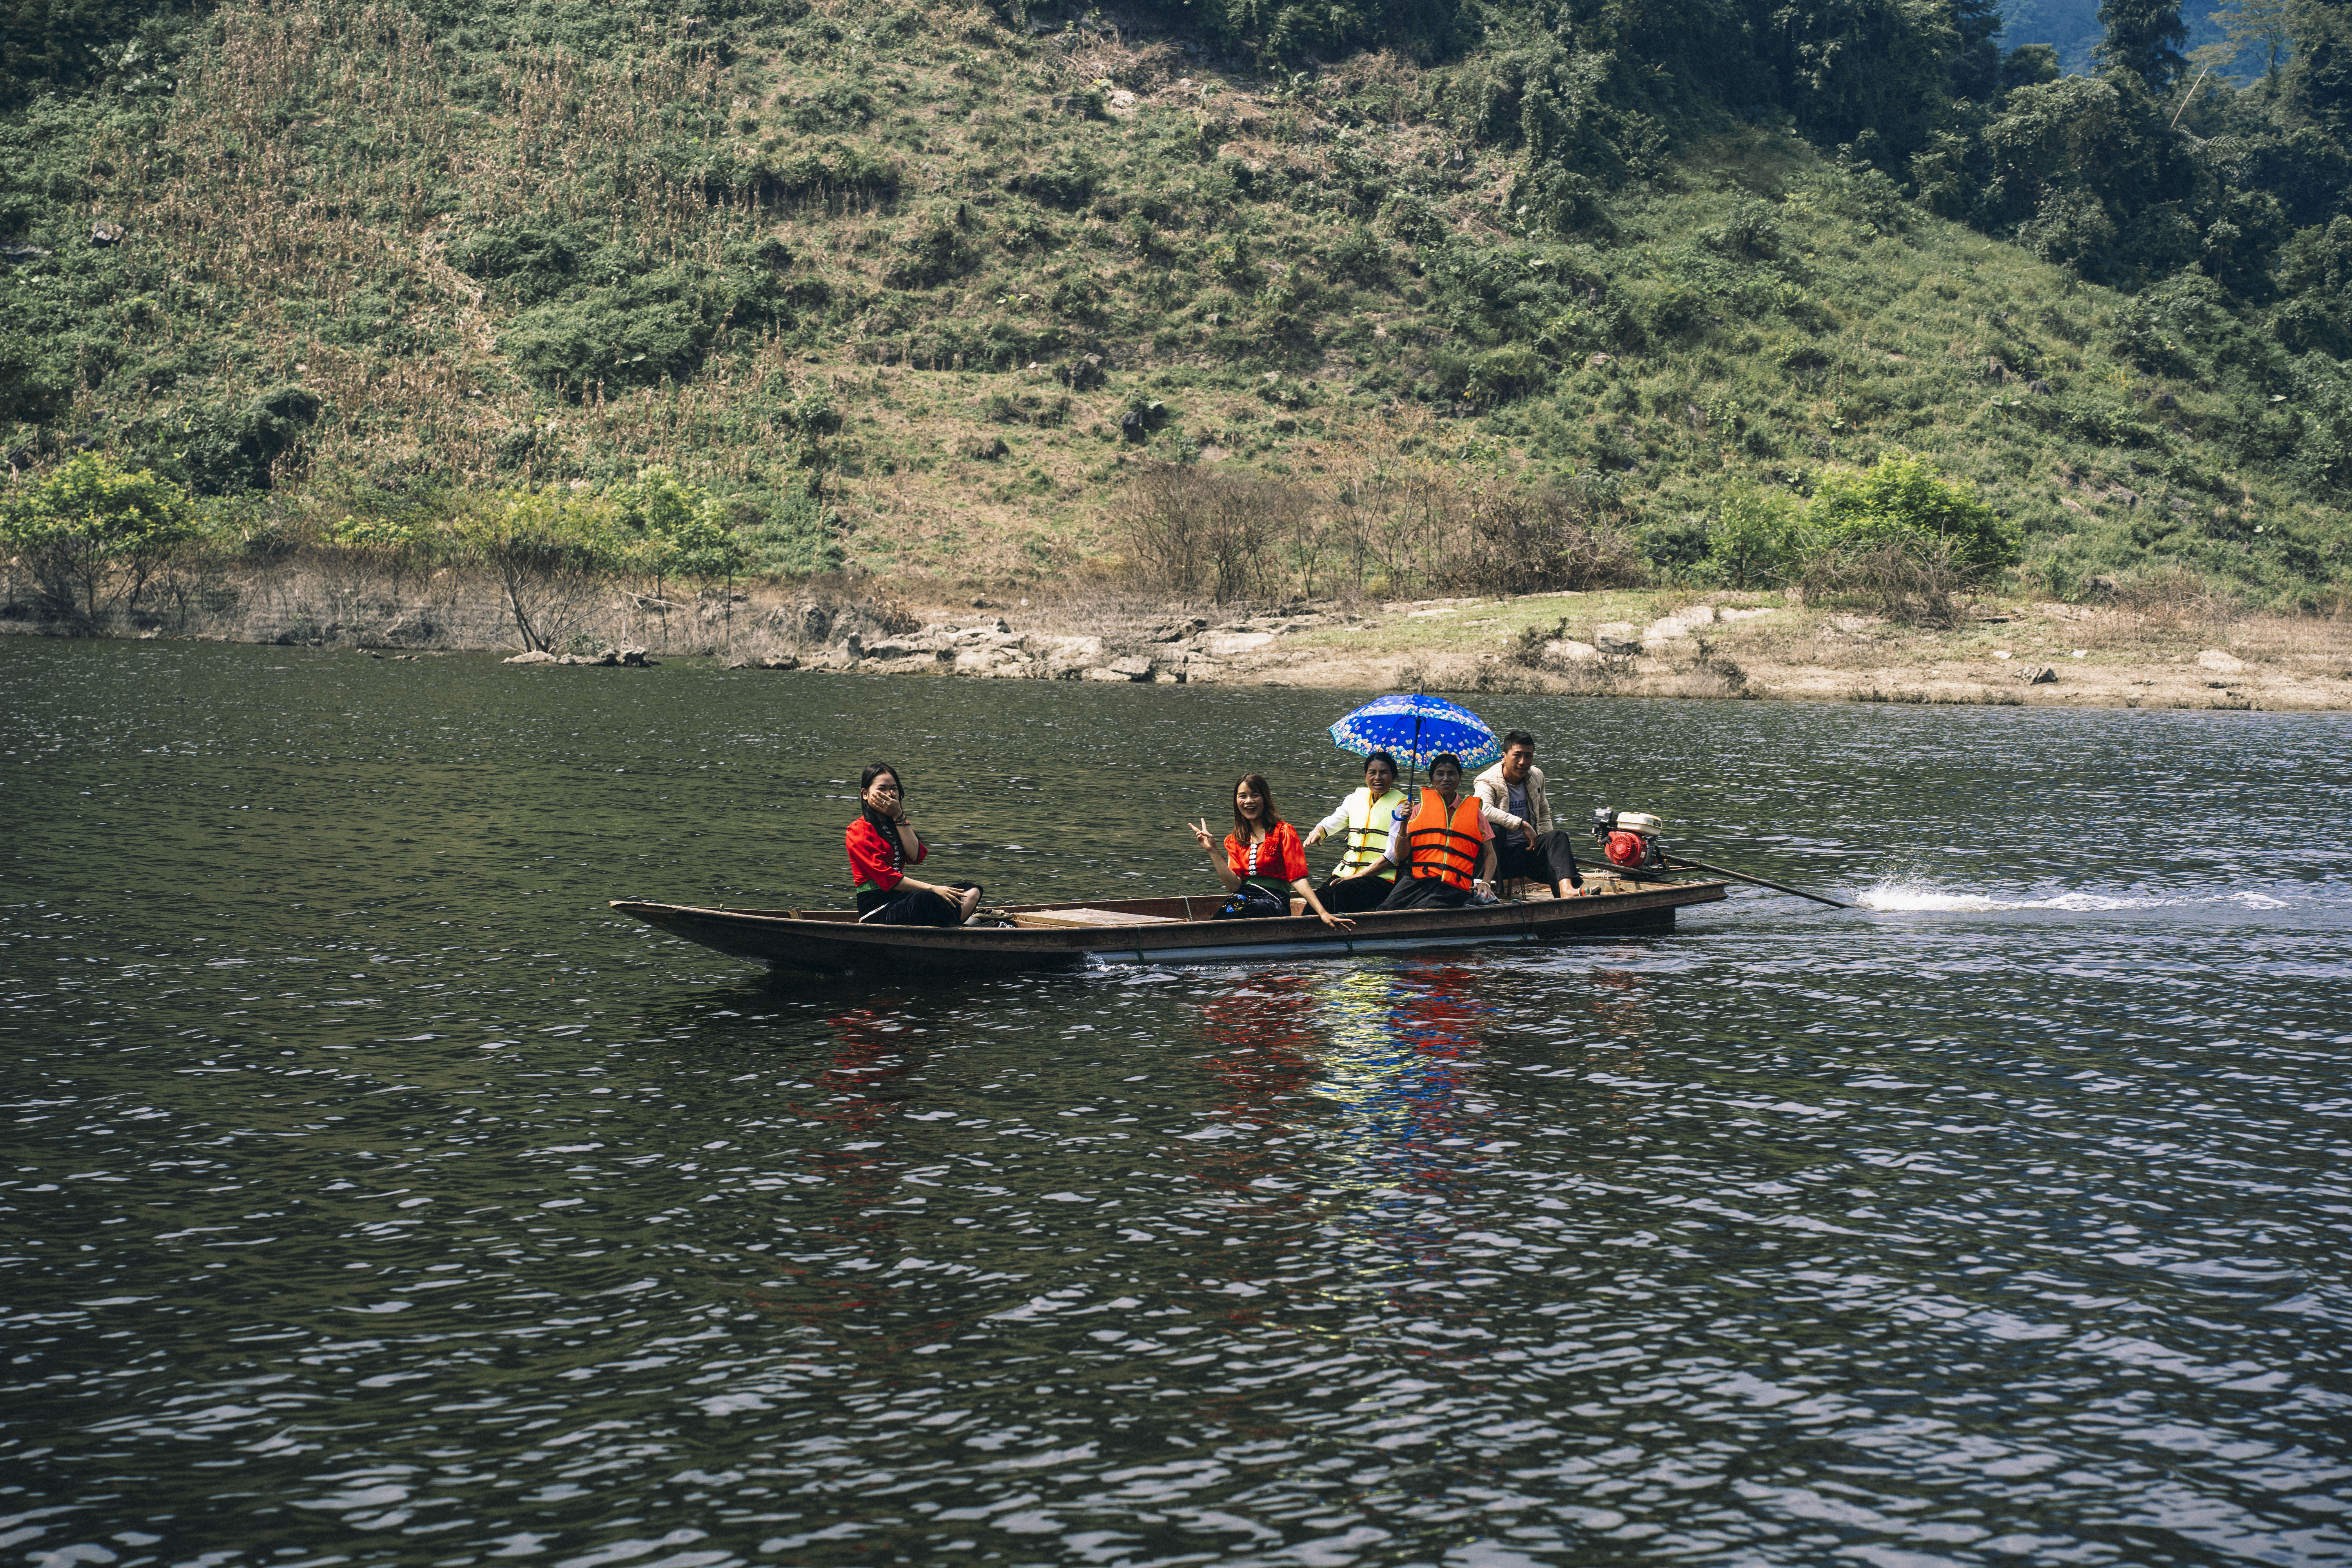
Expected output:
(371, 1195)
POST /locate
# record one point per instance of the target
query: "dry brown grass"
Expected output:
(2306, 642)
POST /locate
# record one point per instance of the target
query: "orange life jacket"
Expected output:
(1443, 849)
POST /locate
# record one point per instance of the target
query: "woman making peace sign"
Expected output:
(1262, 863)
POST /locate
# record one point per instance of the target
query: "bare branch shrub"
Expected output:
(1518, 541)
(2174, 595)
(1392, 528)
(1199, 531)
(1904, 581)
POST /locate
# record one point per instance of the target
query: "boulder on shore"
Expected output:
(1618, 639)
(1680, 622)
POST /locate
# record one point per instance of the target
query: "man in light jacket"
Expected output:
(1511, 797)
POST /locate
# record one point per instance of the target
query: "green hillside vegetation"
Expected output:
(1558, 294)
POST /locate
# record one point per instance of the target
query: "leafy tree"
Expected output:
(1855, 67)
(2260, 25)
(2319, 77)
(94, 534)
(2144, 37)
(2084, 170)
(551, 556)
(678, 528)
(1291, 29)
(1974, 63)
(2315, 272)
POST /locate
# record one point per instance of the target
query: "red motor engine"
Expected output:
(1629, 838)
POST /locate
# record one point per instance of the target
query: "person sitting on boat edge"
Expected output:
(1511, 797)
(1444, 848)
(1367, 816)
(882, 843)
(1264, 863)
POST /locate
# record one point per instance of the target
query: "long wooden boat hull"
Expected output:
(1154, 931)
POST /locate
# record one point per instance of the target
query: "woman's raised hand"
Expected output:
(1200, 833)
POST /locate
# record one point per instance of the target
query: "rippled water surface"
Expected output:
(372, 1195)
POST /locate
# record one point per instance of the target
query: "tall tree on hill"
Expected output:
(2319, 74)
(2257, 25)
(1974, 64)
(2144, 37)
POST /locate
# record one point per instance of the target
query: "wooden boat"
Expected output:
(1160, 931)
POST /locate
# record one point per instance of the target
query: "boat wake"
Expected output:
(1903, 897)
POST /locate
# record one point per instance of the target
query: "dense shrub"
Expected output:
(799, 536)
(1903, 505)
(34, 387)
(229, 451)
(1758, 539)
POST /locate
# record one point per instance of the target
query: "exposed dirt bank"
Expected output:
(1630, 643)
(1645, 644)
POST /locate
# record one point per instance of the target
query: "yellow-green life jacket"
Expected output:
(1368, 833)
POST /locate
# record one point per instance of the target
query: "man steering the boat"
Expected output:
(1445, 849)
(1511, 798)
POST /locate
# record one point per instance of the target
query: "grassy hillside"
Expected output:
(891, 279)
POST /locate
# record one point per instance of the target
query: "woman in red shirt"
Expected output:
(1264, 863)
(882, 843)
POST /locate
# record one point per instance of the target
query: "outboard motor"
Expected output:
(1630, 840)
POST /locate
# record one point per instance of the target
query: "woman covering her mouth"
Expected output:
(882, 843)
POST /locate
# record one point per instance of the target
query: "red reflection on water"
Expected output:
(860, 1092)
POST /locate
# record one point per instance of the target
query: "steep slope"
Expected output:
(915, 287)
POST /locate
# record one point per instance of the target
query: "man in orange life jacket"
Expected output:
(1444, 848)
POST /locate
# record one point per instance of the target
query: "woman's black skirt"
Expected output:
(904, 905)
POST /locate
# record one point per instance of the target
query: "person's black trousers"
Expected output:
(1551, 862)
(1355, 895)
(1425, 893)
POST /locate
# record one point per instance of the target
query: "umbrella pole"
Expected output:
(1416, 759)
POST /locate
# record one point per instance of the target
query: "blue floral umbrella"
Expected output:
(1416, 728)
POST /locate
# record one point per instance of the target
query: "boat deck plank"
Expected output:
(1092, 917)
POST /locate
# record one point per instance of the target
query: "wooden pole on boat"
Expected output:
(1680, 863)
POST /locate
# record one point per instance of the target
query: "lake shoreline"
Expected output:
(1626, 643)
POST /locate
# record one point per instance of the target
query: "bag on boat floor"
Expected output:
(1252, 903)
